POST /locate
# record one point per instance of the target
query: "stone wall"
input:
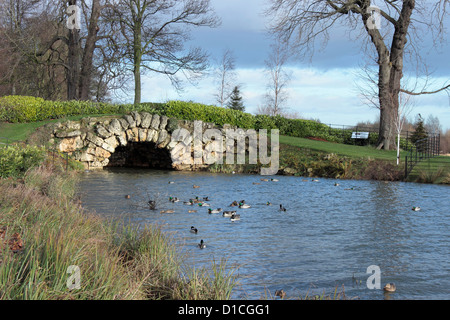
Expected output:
(140, 139)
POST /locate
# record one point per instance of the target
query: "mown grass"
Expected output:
(434, 170)
(44, 231)
(352, 151)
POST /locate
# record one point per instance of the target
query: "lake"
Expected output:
(327, 237)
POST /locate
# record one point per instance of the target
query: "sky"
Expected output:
(322, 88)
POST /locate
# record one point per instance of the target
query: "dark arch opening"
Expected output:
(141, 155)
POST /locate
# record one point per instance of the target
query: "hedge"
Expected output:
(30, 109)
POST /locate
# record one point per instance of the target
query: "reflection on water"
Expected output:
(328, 236)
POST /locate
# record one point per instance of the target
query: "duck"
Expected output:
(268, 203)
(188, 203)
(167, 211)
(203, 204)
(282, 208)
(201, 245)
(195, 187)
(228, 213)
(336, 184)
(174, 199)
(315, 180)
(171, 182)
(280, 293)
(127, 196)
(214, 211)
(264, 179)
(205, 198)
(275, 180)
(390, 287)
(194, 230)
(234, 204)
(244, 205)
(235, 217)
(416, 208)
(192, 211)
(256, 183)
(152, 204)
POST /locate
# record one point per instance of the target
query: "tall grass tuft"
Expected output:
(51, 232)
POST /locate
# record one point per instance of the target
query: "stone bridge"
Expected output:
(152, 141)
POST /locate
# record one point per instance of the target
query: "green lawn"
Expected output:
(435, 170)
(351, 151)
(14, 132)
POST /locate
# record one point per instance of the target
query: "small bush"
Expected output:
(20, 108)
(217, 115)
(16, 160)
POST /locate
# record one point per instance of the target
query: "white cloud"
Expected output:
(329, 96)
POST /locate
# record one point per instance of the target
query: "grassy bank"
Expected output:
(44, 231)
(435, 170)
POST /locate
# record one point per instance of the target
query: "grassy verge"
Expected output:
(44, 231)
(435, 170)
(351, 151)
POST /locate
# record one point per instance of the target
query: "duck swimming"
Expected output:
(192, 211)
(280, 293)
(390, 287)
(194, 230)
(243, 205)
(214, 211)
(173, 199)
(228, 213)
(201, 245)
(416, 208)
(235, 217)
(234, 204)
(282, 208)
(167, 211)
(152, 204)
(203, 204)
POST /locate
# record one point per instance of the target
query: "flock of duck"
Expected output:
(390, 287)
(232, 214)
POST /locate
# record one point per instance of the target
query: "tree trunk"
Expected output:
(391, 73)
(73, 61)
(85, 79)
(137, 57)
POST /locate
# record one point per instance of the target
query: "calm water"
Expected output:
(327, 237)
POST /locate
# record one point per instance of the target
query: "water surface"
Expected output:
(327, 238)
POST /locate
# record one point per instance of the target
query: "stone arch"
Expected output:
(136, 139)
(148, 140)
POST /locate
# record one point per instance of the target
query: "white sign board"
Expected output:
(360, 135)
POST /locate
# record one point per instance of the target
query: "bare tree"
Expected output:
(225, 75)
(406, 104)
(152, 36)
(433, 125)
(278, 79)
(391, 30)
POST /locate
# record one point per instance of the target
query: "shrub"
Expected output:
(20, 108)
(217, 115)
(16, 160)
